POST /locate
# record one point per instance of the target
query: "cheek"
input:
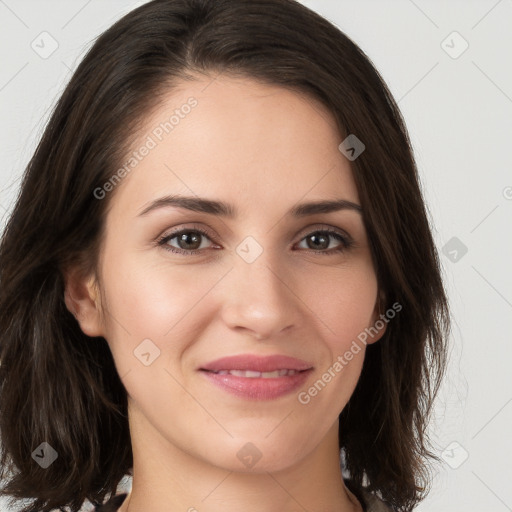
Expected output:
(152, 301)
(344, 307)
(344, 303)
(347, 316)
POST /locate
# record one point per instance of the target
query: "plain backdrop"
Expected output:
(447, 63)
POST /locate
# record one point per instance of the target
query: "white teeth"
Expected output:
(252, 374)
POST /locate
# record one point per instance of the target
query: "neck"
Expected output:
(168, 478)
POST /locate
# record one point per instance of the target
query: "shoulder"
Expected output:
(369, 501)
(112, 504)
(373, 503)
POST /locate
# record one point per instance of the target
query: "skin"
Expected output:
(262, 149)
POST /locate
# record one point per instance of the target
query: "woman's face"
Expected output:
(264, 281)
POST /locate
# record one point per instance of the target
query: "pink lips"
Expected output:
(258, 387)
(257, 363)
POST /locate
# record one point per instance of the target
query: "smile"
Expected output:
(254, 385)
(254, 375)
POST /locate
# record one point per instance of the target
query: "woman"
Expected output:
(219, 277)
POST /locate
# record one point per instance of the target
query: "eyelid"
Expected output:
(193, 227)
(326, 227)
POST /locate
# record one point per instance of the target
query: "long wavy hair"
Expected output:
(59, 386)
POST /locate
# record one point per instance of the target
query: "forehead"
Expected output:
(239, 140)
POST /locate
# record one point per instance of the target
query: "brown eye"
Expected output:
(188, 241)
(319, 241)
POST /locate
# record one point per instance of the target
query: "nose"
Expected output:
(259, 299)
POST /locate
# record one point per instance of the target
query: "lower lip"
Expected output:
(254, 388)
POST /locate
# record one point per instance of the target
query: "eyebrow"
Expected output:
(222, 209)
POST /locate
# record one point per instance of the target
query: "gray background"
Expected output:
(458, 108)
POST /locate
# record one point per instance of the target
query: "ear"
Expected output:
(81, 295)
(379, 321)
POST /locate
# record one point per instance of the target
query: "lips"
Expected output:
(261, 364)
(252, 377)
(250, 374)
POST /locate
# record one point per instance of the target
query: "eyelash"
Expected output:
(346, 242)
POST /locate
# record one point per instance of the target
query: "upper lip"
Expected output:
(257, 363)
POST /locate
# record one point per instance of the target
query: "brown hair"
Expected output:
(59, 386)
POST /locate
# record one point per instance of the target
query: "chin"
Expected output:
(258, 455)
